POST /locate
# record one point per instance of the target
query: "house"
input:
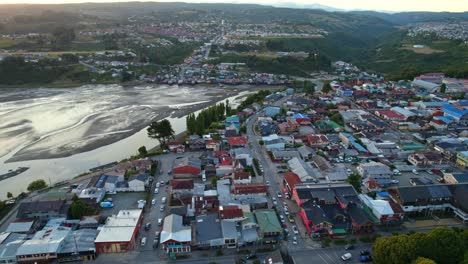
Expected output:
(302, 119)
(22, 226)
(427, 158)
(272, 111)
(43, 210)
(138, 182)
(175, 236)
(187, 167)
(331, 208)
(243, 156)
(230, 234)
(240, 176)
(196, 143)
(317, 140)
(233, 122)
(213, 144)
(462, 159)
(285, 155)
(255, 189)
(274, 144)
(237, 142)
(78, 246)
(207, 231)
(119, 233)
(453, 178)
(44, 246)
(387, 212)
(9, 244)
(390, 115)
(305, 152)
(305, 172)
(231, 213)
(182, 187)
(176, 146)
(269, 227)
(374, 170)
(290, 180)
(225, 166)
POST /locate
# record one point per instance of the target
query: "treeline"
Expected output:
(169, 55)
(16, 71)
(197, 124)
(441, 245)
(253, 98)
(280, 65)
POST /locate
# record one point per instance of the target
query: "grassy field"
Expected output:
(424, 50)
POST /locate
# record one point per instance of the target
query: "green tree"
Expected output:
(337, 118)
(448, 246)
(62, 37)
(443, 88)
(142, 150)
(393, 250)
(261, 142)
(326, 87)
(162, 131)
(37, 185)
(9, 195)
(421, 260)
(355, 180)
(78, 209)
(214, 180)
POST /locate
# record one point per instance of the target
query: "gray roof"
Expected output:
(20, 227)
(229, 229)
(305, 151)
(143, 177)
(208, 227)
(239, 151)
(10, 244)
(188, 162)
(82, 239)
(285, 154)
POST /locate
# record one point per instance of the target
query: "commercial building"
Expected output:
(175, 236)
(120, 231)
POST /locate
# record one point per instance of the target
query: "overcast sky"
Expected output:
(387, 5)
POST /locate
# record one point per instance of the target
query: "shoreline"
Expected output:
(167, 112)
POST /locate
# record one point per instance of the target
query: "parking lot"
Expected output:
(123, 201)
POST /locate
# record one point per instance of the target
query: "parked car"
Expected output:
(394, 181)
(279, 195)
(157, 234)
(267, 183)
(158, 185)
(415, 172)
(251, 256)
(365, 258)
(291, 219)
(286, 212)
(162, 208)
(143, 241)
(275, 203)
(294, 240)
(159, 221)
(156, 191)
(346, 256)
(162, 183)
(349, 247)
(282, 218)
(153, 202)
(163, 200)
(364, 252)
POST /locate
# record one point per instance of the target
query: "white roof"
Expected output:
(380, 206)
(47, 240)
(173, 229)
(119, 228)
(20, 227)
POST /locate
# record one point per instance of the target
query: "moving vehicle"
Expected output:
(279, 195)
(296, 232)
(251, 256)
(394, 181)
(157, 234)
(203, 176)
(153, 202)
(147, 226)
(162, 183)
(294, 240)
(156, 191)
(162, 208)
(163, 200)
(267, 183)
(275, 203)
(158, 185)
(346, 256)
(143, 241)
(159, 221)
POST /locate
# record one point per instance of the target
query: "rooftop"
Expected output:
(119, 227)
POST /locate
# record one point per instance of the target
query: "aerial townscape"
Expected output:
(151, 132)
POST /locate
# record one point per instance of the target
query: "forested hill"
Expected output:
(240, 13)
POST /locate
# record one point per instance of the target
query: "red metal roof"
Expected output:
(230, 211)
(292, 179)
(237, 141)
(252, 188)
(182, 184)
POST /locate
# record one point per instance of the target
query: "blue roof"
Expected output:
(233, 118)
(299, 115)
(358, 146)
(383, 194)
(102, 180)
(453, 111)
(435, 103)
(463, 103)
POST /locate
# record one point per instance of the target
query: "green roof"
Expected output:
(333, 124)
(268, 221)
(412, 146)
(250, 218)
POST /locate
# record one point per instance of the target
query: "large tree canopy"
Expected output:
(162, 131)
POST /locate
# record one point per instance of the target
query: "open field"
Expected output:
(425, 50)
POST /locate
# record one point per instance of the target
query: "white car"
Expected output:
(162, 183)
(163, 200)
(415, 172)
(346, 256)
(294, 228)
(159, 221)
(162, 208)
(279, 195)
(156, 191)
(395, 181)
(158, 184)
(282, 219)
(153, 202)
(294, 240)
(267, 183)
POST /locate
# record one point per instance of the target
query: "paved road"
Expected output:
(329, 255)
